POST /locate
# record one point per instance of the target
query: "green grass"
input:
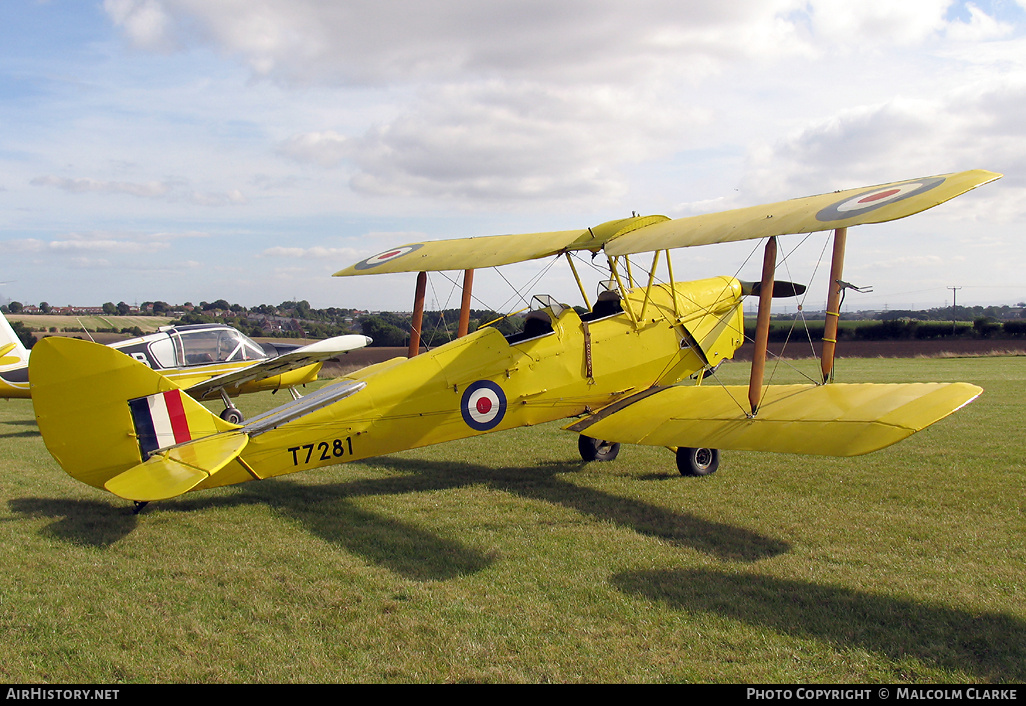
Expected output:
(45, 322)
(505, 559)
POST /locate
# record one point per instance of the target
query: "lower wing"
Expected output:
(828, 420)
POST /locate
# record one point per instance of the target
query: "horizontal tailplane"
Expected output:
(169, 473)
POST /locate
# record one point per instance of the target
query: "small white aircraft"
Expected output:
(207, 360)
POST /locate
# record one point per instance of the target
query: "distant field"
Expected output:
(148, 324)
(503, 558)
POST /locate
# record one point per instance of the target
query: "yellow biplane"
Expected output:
(629, 370)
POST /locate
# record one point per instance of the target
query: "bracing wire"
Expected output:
(440, 321)
(518, 293)
(779, 358)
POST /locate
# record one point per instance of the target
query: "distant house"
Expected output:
(77, 310)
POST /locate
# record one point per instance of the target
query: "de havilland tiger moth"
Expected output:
(629, 370)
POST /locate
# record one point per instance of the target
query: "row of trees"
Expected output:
(954, 313)
(299, 319)
(902, 330)
(391, 329)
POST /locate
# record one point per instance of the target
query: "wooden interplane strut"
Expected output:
(468, 288)
(418, 314)
(769, 263)
(833, 304)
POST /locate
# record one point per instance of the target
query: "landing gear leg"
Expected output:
(231, 413)
(138, 507)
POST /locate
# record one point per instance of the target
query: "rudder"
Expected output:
(91, 404)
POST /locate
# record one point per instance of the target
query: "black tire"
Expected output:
(596, 449)
(697, 462)
(233, 415)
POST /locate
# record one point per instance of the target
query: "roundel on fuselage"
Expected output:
(483, 405)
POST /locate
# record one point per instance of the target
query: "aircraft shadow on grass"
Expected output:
(84, 522)
(989, 646)
(32, 431)
(326, 511)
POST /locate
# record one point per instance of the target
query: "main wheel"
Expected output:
(697, 462)
(596, 449)
(233, 415)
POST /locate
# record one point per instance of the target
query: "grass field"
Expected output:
(148, 324)
(505, 559)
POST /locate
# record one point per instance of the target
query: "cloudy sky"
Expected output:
(190, 150)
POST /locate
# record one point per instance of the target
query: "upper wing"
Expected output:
(829, 420)
(301, 357)
(493, 250)
(839, 209)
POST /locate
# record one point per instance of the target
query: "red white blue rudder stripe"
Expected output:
(160, 421)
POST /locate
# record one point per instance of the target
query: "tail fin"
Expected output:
(102, 413)
(12, 350)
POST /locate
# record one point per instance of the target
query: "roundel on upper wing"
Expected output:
(387, 256)
(483, 405)
(876, 198)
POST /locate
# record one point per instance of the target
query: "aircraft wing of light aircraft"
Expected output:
(206, 360)
(628, 371)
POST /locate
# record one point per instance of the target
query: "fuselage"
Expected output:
(484, 382)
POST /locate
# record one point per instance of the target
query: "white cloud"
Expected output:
(314, 253)
(971, 127)
(145, 22)
(103, 245)
(341, 120)
(877, 22)
(980, 27)
(532, 101)
(170, 190)
(326, 149)
(100, 241)
(151, 189)
(306, 41)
